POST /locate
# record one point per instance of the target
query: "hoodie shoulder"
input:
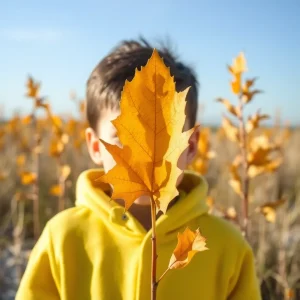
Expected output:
(222, 234)
(70, 219)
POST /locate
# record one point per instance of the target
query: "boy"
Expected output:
(95, 251)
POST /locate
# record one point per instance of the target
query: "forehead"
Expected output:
(107, 116)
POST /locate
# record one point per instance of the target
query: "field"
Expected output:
(43, 154)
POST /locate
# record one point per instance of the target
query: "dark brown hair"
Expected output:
(106, 81)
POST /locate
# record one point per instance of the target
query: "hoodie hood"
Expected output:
(190, 205)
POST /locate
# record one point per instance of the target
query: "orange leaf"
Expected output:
(64, 138)
(253, 122)
(236, 84)
(150, 131)
(239, 65)
(27, 120)
(189, 243)
(65, 171)
(56, 190)
(40, 103)
(28, 178)
(269, 167)
(56, 148)
(21, 159)
(231, 131)
(269, 209)
(236, 181)
(248, 96)
(56, 121)
(231, 213)
(232, 109)
(200, 166)
(32, 88)
(248, 84)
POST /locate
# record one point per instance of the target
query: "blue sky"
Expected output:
(60, 42)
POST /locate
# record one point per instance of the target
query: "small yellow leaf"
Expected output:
(37, 150)
(56, 148)
(39, 103)
(231, 213)
(248, 84)
(189, 243)
(65, 171)
(210, 154)
(231, 131)
(269, 209)
(32, 88)
(253, 122)
(269, 167)
(236, 181)
(71, 126)
(236, 84)
(236, 186)
(21, 159)
(27, 120)
(269, 213)
(200, 166)
(28, 178)
(239, 65)
(259, 157)
(64, 138)
(248, 96)
(203, 143)
(231, 108)
(56, 121)
(56, 190)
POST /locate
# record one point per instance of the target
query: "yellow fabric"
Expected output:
(92, 251)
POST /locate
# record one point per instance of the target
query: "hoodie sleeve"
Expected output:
(245, 284)
(38, 280)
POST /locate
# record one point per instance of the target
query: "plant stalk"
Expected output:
(245, 165)
(35, 188)
(61, 182)
(154, 252)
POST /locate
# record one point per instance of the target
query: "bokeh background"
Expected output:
(42, 146)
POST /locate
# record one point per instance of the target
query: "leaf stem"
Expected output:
(154, 252)
(163, 275)
(245, 177)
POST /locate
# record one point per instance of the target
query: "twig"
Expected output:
(245, 177)
(35, 187)
(61, 182)
(154, 253)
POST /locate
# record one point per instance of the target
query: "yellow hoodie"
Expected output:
(92, 251)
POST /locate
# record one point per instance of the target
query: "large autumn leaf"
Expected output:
(149, 128)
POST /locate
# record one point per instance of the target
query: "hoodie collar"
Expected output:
(190, 205)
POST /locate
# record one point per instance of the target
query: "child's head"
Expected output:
(104, 89)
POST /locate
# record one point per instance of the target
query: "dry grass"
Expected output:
(276, 245)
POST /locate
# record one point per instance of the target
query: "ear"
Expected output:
(93, 145)
(193, 145)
